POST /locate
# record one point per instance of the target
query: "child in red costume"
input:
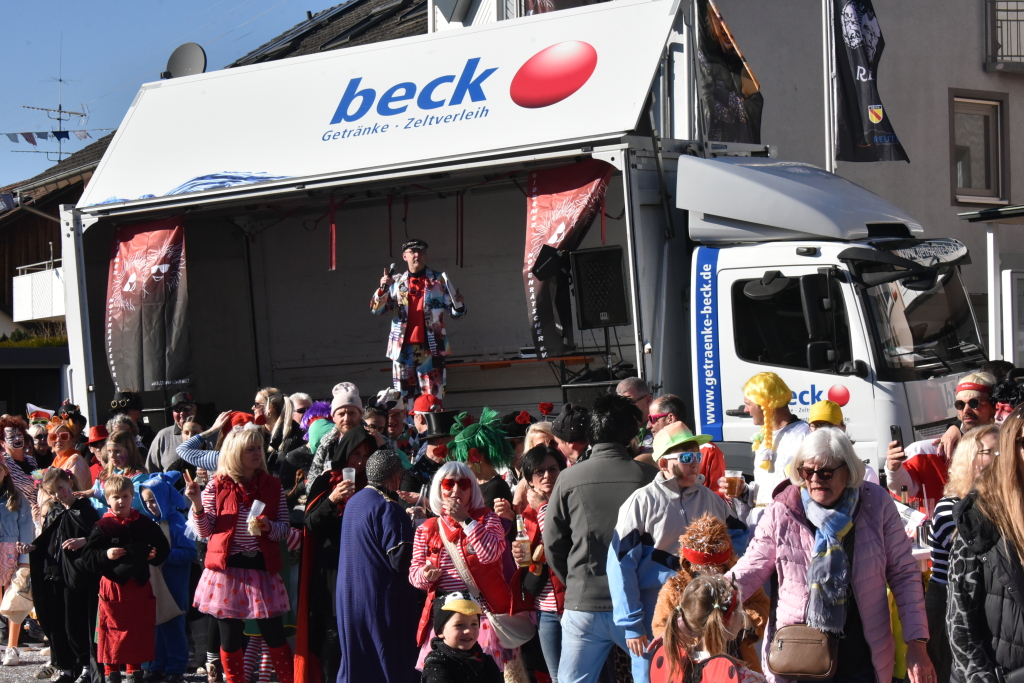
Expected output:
(121, 547)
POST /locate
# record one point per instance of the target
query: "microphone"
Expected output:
(392, 270)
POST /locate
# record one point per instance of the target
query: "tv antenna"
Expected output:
(60, 114)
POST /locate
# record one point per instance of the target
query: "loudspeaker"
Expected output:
(586, 394)
(600, 288)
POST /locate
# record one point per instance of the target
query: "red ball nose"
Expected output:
(553, 74)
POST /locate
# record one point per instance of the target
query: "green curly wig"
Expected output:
(485, 436)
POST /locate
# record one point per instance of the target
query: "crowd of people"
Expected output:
(381, 540)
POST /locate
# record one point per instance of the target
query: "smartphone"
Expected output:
(896, 432)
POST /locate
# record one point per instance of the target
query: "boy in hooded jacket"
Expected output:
(162, 503)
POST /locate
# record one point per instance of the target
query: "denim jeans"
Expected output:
(550, 630)
(587, 638)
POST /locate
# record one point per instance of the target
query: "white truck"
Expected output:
(735, 262)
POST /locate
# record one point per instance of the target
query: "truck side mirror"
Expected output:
(814, 295)
(856, 368)
(820, 355)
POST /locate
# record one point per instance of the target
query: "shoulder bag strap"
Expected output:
(460, 565)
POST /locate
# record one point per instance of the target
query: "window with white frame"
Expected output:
(977, 149)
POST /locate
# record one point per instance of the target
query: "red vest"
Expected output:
(489, 578)
(533, 532)
(268, 489)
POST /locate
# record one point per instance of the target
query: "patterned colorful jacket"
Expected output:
(436, 300)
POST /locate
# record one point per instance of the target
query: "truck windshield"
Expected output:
(922, 334)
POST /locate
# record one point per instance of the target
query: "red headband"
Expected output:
(703, 559)
(971, 386)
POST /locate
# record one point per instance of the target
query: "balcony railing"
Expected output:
(1005, 35)
(39, 292)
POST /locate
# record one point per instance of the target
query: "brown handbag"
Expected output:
(803, 653)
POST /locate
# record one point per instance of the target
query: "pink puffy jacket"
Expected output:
(783, 542)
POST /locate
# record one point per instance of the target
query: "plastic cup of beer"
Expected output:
(348, 474)
(734, 483)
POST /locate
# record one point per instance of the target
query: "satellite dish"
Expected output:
(186, 60)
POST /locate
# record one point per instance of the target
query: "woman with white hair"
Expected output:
(465, 525)
(817, 524)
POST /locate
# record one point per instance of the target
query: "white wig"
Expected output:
(454, 470)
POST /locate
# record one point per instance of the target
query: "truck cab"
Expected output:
(799, 272)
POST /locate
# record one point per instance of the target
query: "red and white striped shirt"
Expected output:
(545, 602)
(242, 541)
(487, 539)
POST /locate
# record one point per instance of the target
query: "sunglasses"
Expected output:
(123, 403)
(686, 457)
(302, 410)
(553, 471)
(450, 484)
(654, 417)
(972, 404)
(59, 436)
(182, 408)
(41, 437)
(823, 473)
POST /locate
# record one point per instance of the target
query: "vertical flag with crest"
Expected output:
(863, 131)
(561, 205)
(147, 304)
(730, 91)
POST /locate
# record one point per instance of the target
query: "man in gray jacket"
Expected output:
(581, 517)
(163, 451)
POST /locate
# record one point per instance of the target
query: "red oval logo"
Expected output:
(553, 74)
(839, 394)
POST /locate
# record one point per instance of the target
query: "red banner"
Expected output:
(561, 204)
(147, 307)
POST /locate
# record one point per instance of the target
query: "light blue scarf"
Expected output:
(828, 575)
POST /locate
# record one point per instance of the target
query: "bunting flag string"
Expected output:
(32, 137)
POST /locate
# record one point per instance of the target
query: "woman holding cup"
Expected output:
(328, 493)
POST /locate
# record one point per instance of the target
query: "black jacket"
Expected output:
(49, 561)
(137, 536)
(446, 665)
(985, 612)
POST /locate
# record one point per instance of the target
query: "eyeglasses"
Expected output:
(823, 473)
(450, 484)
(973, 404)
(654, 417)
(553, 471)
(686, 457)
(123, 403)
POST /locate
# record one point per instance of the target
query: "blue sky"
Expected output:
(109, 49)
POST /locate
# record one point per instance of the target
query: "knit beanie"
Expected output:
(345, 394)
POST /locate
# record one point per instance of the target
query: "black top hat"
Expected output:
(126, 400)
(439, 424)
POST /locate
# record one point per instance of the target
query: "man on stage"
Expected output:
(418, 344)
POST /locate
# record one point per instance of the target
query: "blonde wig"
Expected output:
(767, 390)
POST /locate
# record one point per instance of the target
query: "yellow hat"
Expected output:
(462, 603)
(826, 411)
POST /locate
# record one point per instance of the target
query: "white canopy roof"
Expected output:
(548, 79)
(743, 199)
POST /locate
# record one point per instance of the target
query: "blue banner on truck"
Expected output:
(708, 375)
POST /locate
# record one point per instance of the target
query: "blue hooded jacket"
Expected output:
(178, 565)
